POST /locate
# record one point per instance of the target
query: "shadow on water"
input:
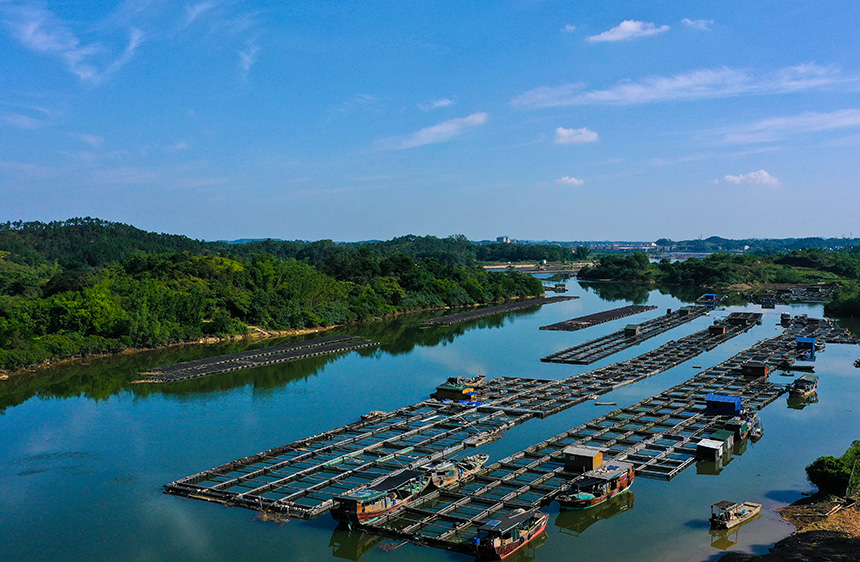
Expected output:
(102, 377)
(577, 521)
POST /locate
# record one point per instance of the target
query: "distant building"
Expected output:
(504, 240)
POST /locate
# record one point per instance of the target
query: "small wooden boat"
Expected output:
(757, 431)
(499, 538)
(726, 514)
(597, 486)
(803, 386)
(448, 474)
(386, 496)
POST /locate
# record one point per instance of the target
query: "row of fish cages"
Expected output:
(253, 358)
(632, 334)
(497, 309)
(582, 322)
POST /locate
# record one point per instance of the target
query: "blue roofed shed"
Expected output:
(722, 405)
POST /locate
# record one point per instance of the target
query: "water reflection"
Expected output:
(352, 544)
(801, 402)
(102, 377)
(576, 522)
(725, 539)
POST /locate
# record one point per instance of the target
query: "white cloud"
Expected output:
(436, 104)
(40, 31)
(192, 12)
(570, 180)
(247, 58)
(94, 141)
(437, 133)
(628, 29)
(574, 136)
(753, 178)
(568, 28)
(777, 128)
(701, 25)
(698, 84)
(23, 121)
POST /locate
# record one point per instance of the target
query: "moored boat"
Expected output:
(499, 538)
(597, 486)
(459, 388)
(382, 498)
(448, 474)
(803, 386)
(757, 430)
(726, 514)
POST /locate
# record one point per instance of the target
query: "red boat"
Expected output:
(499, 538)
(597, 486)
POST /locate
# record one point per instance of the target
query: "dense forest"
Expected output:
(87, 286)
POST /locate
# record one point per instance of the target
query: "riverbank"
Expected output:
(819, 537)
(253, 333)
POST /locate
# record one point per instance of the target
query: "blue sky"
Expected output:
(534, 119)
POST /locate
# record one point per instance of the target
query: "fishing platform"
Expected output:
(633, 334)
(254, 358)
(302, 479)
(657, 435)
(589, 320)
(490, 310)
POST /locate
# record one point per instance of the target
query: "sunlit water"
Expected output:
(85, 452)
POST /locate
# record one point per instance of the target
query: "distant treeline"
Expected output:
(724, 269)
(89, 242)
(757, 245)
(87, 286)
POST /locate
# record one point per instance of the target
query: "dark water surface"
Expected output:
(85, 452)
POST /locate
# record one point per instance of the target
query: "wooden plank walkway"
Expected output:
(591, 351)
(302, 478)
(498, 309)
(589, 320)
(254, 358)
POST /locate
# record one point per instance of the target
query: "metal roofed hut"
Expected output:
(582, 459)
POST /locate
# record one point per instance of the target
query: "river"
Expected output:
(85, 452)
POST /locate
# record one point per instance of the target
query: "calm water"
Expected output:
(85, 452)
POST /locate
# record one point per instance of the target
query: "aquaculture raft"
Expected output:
(657, 435)
(302, 479)
(598, 348)
(583, 322)
(489, 311)
(254, 358)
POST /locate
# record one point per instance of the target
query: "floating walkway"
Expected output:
(301, 479)
(596, 349)
(657, 435)
(254, 358)
(489, 311)
(583, 322)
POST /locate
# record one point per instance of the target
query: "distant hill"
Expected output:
(87, 242)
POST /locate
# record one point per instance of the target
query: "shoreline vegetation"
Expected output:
(87, 287)
(827, 523)
(839, 270)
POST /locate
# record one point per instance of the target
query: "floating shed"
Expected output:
(727, 437)
(722, 405)
(754, 369)
(805, 344)
(710, 450)
(632, 330)
(717, 329)
(582, 459)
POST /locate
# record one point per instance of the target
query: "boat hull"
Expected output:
(504, 551)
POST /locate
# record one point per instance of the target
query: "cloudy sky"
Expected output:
(563, 120)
